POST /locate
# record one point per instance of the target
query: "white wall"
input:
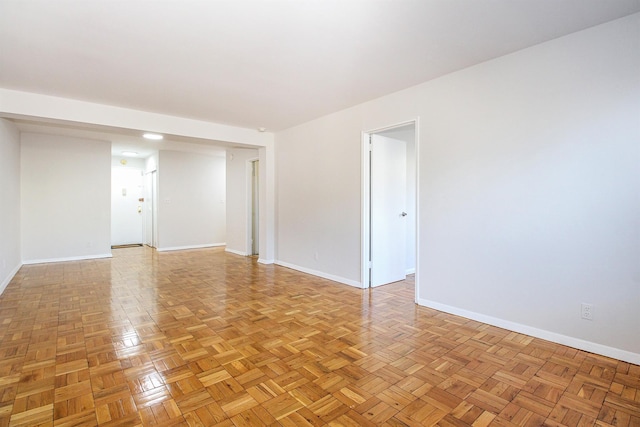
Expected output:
(131, 162)
(528, 191)
(238, 202)
(65, 198)
(191, 200)
(318, 175)
(267, 202)
(10, 260)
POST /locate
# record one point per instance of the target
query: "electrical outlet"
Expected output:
(586, 311)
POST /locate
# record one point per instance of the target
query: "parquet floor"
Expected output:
(208, 338)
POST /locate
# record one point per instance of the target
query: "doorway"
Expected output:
(389, 206)
(150, 212)
(126, 206)
(254, 207)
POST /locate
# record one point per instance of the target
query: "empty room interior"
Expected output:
(344, 213)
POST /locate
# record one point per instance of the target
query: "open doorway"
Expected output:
(390, 226)
(254, 207)
(150, 213)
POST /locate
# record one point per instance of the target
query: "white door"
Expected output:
(126, 207)
(388, 207)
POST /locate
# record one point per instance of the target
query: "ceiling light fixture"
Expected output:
(154, 136)
(129, 153)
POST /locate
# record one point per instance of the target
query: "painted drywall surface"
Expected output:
(318, 196)
(238, 202)
(129, 162)
(191, 200)
(10, 260)
(532, 198)
(528, 188)
(65, 198)
(26, 104)
(267, 200)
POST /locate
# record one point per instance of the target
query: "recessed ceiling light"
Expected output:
(129, 153)
(153, 136)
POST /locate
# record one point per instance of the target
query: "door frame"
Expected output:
(366, 200)
(150, 212)
(249, 203)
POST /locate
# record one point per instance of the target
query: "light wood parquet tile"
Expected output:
(207, 338)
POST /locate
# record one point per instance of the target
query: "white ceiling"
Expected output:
(266, 63)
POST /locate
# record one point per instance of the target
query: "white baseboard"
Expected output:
(578, 343)
(410, 271)
(233, 251)
(183, 248)
(338, 279)
(65, 259)
(265, 261)
(8, 279)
